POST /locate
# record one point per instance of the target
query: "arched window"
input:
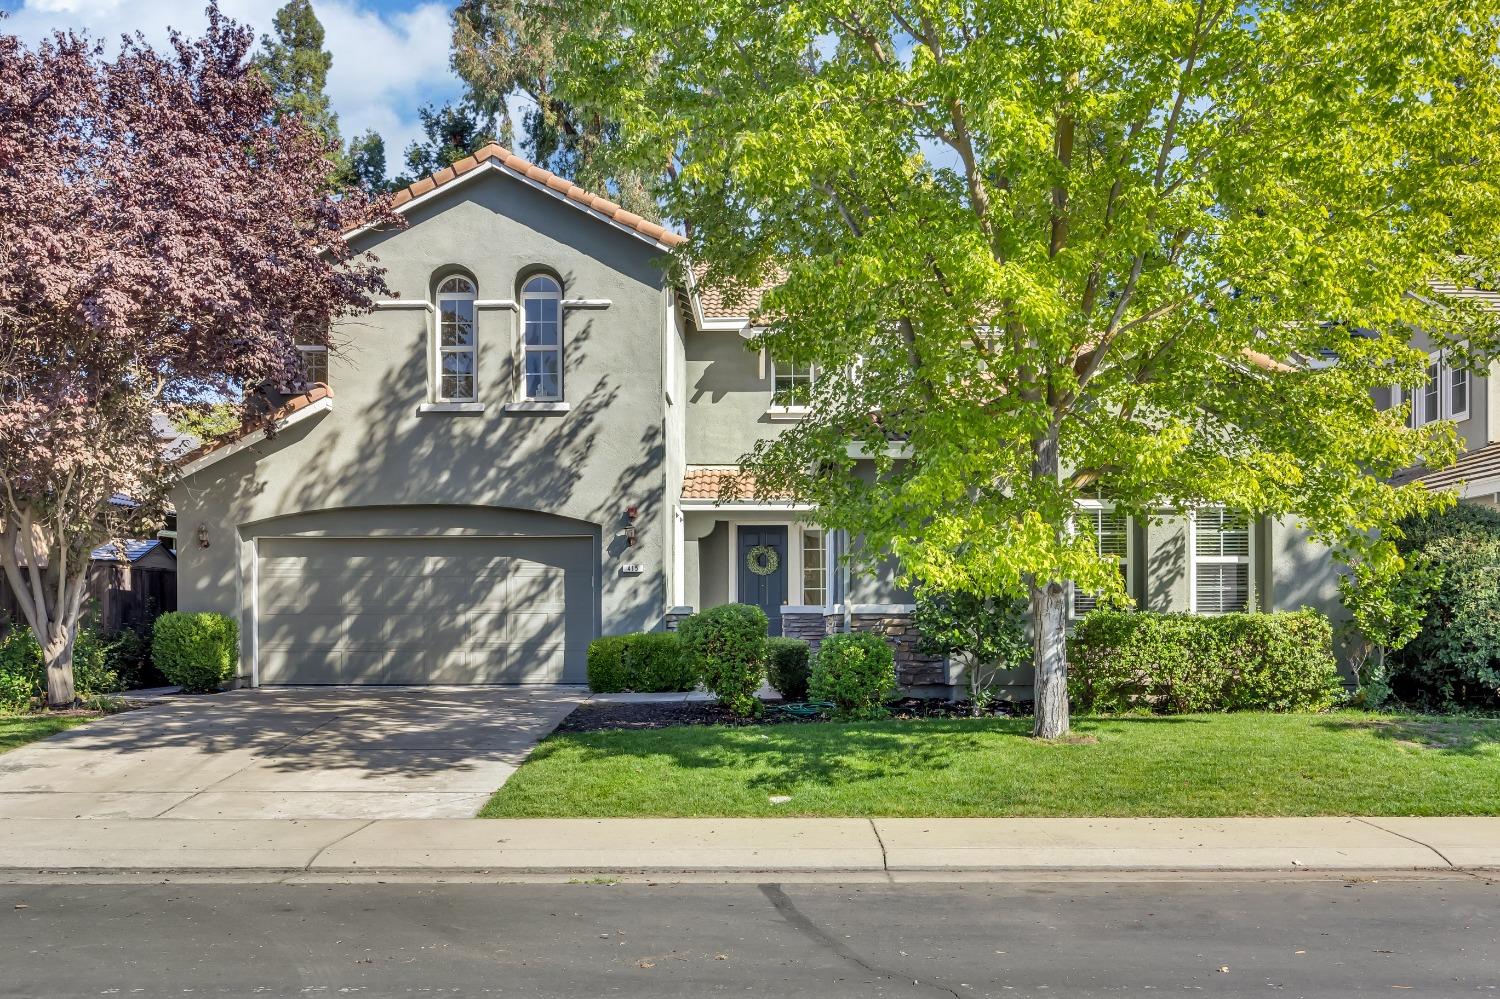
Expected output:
(456, 341)
(541, 339)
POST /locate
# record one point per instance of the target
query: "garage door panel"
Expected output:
(425, 610)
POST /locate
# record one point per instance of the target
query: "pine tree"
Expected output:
(364, 163)
(452, 132)
(296, 65)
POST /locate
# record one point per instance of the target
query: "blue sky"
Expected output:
(389, 56)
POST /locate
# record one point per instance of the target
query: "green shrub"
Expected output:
(656, 661)
(856, 671)
(1454, 660)
(606, 662)
(1173, 663)
(649, 662)
(128, 655)
(23, 675)
(787, 667)
(984, 634)
(727, 644)
(196, 651)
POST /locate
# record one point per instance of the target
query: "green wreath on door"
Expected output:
(762, 560)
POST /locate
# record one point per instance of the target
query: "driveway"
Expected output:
(290, 753)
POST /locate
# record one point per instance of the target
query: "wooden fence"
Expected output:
(119, 596)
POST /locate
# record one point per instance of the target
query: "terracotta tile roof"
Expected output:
(1471, 466)
(279, 410)
(572, 192)
(731, 301)
(715, 483)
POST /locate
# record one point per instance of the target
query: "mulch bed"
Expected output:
(614, 717)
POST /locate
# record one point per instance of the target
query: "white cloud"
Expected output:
(384, 66)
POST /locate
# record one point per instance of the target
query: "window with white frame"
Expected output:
(541, 340)
(314, 364)
(1221, 561)
(1444, 395)
(457, 342)
(1111, 531)
(793, 385)
(814, 567)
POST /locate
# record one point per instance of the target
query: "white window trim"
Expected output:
(1418, 397)
(776, 411)
(438, 350)
(1128, 558)
(524, 348)
(1251, 543)
(303, 349)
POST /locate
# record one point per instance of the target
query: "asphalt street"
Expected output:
(1055, 939)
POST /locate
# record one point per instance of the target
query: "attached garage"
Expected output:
(439, 610)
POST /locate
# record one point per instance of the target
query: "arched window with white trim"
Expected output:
(457, 341)
(541, 340)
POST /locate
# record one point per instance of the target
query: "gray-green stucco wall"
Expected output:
(373, 450)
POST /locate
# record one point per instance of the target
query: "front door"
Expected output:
(763, 571)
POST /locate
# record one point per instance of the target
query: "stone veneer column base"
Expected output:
(915, 670)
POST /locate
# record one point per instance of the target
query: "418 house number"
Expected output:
(632, 569)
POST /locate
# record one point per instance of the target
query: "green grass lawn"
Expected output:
(1188, 765)
(18, 730)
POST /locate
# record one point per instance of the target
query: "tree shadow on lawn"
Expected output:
(777, 758)
(1450, 736)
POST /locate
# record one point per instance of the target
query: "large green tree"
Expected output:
(295, 64)
(509, 51)
(449, 133)
(1066, 250)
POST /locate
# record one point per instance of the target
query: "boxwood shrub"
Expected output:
(856, 671)
(1171, 663)
(787, 667)
(648, 662)
(727, 644)
(197, 651)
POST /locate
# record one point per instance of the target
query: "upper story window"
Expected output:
(1221, 542)
(1111, 531)
(1443, 396)
(457, 341)
(541, 339)
(314, 364)
(793, 385)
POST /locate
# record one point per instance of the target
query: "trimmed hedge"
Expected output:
(1454, 661)
(197, 651)
(728, 645)
(648, 662)
(23, 675)
(787, 667)
(1172, 663)
(856, 671)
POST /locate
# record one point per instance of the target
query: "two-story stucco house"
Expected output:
(526, 448)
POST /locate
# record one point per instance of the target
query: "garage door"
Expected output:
(424, 610)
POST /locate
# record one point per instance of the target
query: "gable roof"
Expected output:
(128, 550)
(495, 157)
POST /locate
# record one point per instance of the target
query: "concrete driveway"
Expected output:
(291, 753)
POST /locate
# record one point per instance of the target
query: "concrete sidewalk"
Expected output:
(879, 846)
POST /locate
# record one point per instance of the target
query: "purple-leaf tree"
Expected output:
(162, 236)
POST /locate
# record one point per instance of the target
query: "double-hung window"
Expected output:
(1443, 395)
(1111, 531)
(1221, 561)
(793, 385)
(541, 340)
(457, 342)
(814, 566)
(314, 364)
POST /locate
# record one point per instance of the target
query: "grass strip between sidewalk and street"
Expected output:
(1344, 763)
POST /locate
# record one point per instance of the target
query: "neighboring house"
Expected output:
(528, 447)
(130, 582)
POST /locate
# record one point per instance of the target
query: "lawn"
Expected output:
(18, 730)
(1189, 765)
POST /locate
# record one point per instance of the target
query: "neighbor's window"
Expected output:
(1221, 561)
(814, 567)
(314, 364)
(1443, 396)
(1111, 530)
(794, 384)
(541, 342)
(457, 341)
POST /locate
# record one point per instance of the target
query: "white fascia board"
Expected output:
(249, 440)
(747, 506)
(491, 165)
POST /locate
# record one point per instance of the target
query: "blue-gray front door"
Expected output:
(768, 591)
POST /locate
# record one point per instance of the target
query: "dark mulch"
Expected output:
(610, 717)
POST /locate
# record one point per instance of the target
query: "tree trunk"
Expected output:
(58, 655)
(1049, 623)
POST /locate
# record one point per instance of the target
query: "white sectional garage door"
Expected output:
(423, 610)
